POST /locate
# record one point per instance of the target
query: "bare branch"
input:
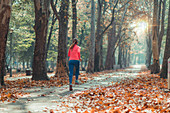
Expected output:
(123, 6)
(54, 9)
(113, 11)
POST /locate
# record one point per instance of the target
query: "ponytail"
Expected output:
(75, 41)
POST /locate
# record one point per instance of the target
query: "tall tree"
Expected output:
(100, 33)
(74, 20)
(148, 49)
(98, 36)
(161, 32)
(112, 40)
(148, 37)
(51, 30)
(120, 56)
(5, 13)
(41, 27)
(90, 67)
(154, 36)
(164, 71)
(62, 16)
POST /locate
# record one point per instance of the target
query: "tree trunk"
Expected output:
(101, 61)
(41, 27)
(51, 30)
(101, 55)
(164, 71)
(62, 69)
(99, 34)
(11, 56)
(112, 39)
(120, 56)
(148, 52)
(98, 38)
(159, 17)
(129, 55)
(126, 56)
(90, 68)
(149, 47)
(74, 20)
(154, 36)
(82, 35)
(123, 56)
(161, 34)
(85, 64)
(28, 64)
(148, 39)
(5, 13)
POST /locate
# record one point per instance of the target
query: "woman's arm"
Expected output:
(69, 53)
(79, 55)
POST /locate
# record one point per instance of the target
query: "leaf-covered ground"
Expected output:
(142, 95)
(13, 89)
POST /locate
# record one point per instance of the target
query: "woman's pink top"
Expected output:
(74, 53)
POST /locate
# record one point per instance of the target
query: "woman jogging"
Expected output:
(74, 61)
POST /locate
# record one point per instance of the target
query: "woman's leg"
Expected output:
(77, 70)
(71, 67)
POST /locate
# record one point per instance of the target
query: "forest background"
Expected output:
(36, 34)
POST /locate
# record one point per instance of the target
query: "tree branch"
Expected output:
(111, 19)
(123, 6)
(54, 10)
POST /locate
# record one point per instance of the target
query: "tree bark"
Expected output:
(41, 27)
(62, 16)
(62, 69)
(148, 40)
(90, 68)
(149, 47)
(112, 39)
(164, 71)
(74, 20)
(98, 37)
(5, 13)
(125, 56)
(82, 34)
(154, 36)
(129, 55)
(159, 17)
(148, 51)
(120, 56)
(101, 67)
(161, 33)
(101, 61)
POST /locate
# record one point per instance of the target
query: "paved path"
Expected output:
(40, 99)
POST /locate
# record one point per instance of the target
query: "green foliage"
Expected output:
(52, 52)
(22, 22)
(23, 35)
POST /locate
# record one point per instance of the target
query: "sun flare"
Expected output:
(140, 27)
